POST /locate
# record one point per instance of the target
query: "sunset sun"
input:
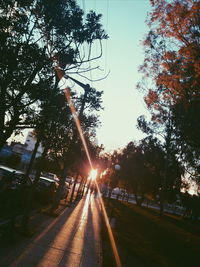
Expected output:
(93, 174)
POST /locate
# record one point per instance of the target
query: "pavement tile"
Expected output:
(71, 259)
(51, 258)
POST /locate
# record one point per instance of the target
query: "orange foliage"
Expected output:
(173, 52)
(151, 98)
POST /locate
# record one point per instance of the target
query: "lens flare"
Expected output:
(93, 171)
(93, 174)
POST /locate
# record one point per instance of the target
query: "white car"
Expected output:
(69, 180)
(119, 191)
(116, 191)
(50, 175)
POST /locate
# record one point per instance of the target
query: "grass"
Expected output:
(145, 239)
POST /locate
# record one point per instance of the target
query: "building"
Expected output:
(18, 148)
(30, 144)
(24, 151)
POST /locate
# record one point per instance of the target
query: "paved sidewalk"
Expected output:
(70, 240)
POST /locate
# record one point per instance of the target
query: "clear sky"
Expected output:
(124, 21)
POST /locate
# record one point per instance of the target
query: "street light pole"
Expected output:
(86, 88)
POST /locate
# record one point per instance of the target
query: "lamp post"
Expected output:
(117, 168)
(86, 88)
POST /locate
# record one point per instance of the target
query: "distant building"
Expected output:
(30, 144)
(23, 150)
(18, 148)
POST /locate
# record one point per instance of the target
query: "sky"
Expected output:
(124, 22)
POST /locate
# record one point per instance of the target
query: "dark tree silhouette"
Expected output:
(33, 36)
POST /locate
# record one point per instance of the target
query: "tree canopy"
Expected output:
(33, 36)
(171, 73)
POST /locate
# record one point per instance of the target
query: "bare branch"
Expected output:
(85, 70)
(96, 80)
(31, 31)
(87, 60)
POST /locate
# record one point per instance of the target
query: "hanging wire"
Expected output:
(106, 47)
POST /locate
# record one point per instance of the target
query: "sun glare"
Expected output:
(93, 174)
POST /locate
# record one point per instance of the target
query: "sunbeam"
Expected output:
(66, 91)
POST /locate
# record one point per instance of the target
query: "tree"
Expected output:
(171, 168)
(187, 130)
(172, 75)
(34, 35)
(59, 136)
(82, 134)
(138, 169)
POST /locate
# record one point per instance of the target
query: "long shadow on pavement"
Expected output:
(29, 252)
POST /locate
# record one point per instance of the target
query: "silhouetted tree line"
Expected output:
(171, 88)
(171, 85)
(36, 38)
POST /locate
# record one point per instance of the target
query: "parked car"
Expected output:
(116, 191)
(46, 190)
(50, 175)
(119, 192)
(14, 190)
(69, 179)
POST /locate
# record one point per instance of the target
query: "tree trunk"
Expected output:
(83, 188)
(109, 192)
(73, 189)
(163, 189)
(33, 156)
(162, 203)
(139, 201)
(28, 208)
(59, 190)
(80, 189)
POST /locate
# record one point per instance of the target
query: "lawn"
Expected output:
(145, 239)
